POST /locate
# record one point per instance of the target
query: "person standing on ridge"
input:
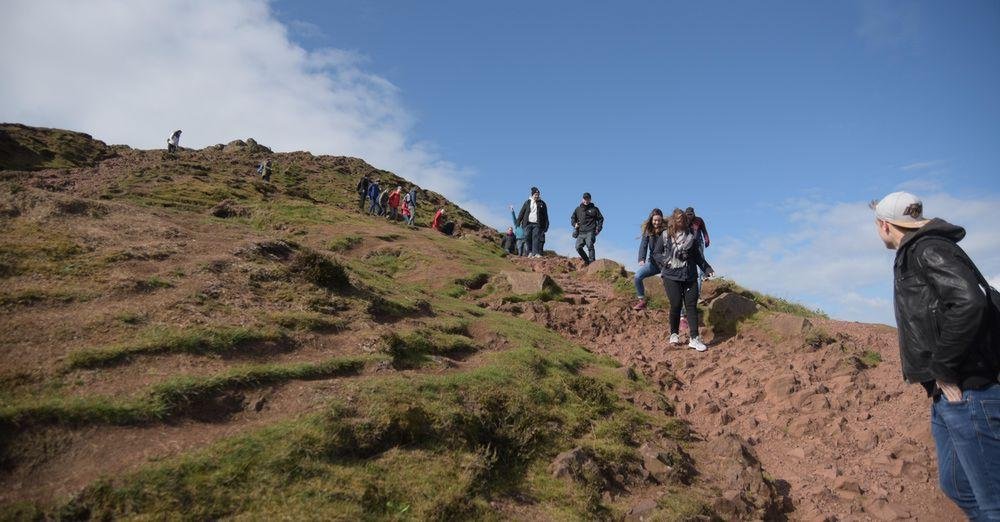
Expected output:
(522, 249)
(534, 218)
(363, 191)
(587, 223)
(174, 142)
(948, 320)
(679, 259)
(652, 229)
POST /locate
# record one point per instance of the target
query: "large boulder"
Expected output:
(788, 326)
(728, 310)
(528, 283)
(606, 267)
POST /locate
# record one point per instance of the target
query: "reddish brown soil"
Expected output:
(845, 442)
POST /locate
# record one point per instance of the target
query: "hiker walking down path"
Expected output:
(373, 192)
(174, 142)
(522, 249)
(409, 204)
(394, 202)
(587, 223)
(948, 321)
(652, 229)
(679, 259)
(509, 241)
(362, 189)
(534, 218)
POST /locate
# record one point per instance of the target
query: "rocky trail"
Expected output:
(819, 402)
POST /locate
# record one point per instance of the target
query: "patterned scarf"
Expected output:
(680, 245)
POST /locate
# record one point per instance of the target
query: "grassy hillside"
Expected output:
(182, 339)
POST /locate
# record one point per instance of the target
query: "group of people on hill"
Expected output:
(674, 249)
(392, 203)
(526, 237)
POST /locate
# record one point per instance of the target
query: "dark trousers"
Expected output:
(361, 201)
(682, 293)
(533, 237)
(585, 239)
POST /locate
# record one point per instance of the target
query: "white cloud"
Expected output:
(830, 256)
(132, 72)
(922, 165)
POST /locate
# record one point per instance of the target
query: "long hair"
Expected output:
(678, 221)
(647, 226)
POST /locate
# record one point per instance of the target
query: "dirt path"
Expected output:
(846, 441)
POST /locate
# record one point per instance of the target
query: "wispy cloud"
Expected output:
(922, 165)
(831, 257)
(131, 72)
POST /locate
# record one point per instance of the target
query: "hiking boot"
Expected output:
(675, 339)
(641, 305)
(684, 322)
(697, 344)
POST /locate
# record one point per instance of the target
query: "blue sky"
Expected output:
(776, 120)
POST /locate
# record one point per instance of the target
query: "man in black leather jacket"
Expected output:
(944, 345)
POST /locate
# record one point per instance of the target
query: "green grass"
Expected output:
(159, 340)
(169, 398)
(774, 304)
(344, 244)
(870, 358)
(426, 446)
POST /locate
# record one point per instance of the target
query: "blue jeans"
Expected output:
(533, 237)
(522, 248)
(967, 436)
(644, 271)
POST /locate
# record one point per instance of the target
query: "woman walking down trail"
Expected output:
(409, 200)
(679, 258)
(519, 238)
(652, 229)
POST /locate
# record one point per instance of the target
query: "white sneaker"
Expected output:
(697, 344)
(675, 339)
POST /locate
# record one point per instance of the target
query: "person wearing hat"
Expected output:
(948, 344)
(534, 218)
(587, 223)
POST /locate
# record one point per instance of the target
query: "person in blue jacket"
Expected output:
(373, 191)
(522, 247)
(651, 230)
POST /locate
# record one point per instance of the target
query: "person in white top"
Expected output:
(534, 219)
(174, 141)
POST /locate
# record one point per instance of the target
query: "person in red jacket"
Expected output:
(439, 223)
(394, 201)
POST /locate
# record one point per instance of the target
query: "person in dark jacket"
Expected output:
(946, 344)
(509, 242)
(679, 258)
(651, 229)
(363, 191)
(587, 223)
(534, 218)
(373, 191)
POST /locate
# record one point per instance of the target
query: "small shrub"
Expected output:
(870, 358)
(319, 270)
(344, 244)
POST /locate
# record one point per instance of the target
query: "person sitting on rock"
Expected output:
(509, 242)
(679, 258)
(174, 142)
(587, 222)
(394, 201)
(264, 170)
(651, 230)
(439, 223)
